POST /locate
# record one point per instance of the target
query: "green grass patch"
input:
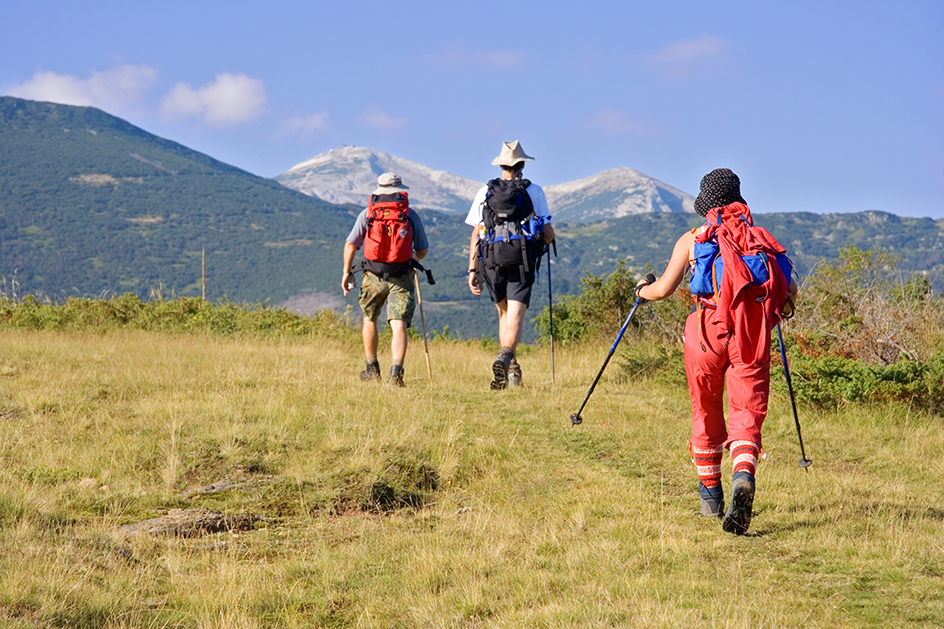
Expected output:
(443, 504)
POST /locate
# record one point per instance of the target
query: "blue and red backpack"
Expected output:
(743, 272)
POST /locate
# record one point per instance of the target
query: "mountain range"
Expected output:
(349, 174)
(91, 206)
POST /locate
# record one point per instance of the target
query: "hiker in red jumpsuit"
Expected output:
(727, 339)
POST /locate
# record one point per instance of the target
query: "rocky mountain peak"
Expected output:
(349, 174)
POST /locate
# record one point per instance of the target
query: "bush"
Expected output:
(600, 310)
(834, 380)
(649, 360)
(183, 315)
(863, 333)
(860, 307)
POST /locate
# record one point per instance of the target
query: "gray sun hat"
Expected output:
(511, 154)
(388, 183)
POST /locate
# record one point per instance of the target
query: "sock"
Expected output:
(398, 363)
(744, 456)
(708, 463)
(372, 360)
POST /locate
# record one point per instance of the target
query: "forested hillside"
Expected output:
(91, 205)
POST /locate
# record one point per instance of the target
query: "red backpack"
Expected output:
(388, 245)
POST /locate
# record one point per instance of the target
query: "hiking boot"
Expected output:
(500, 370)
(372, 372)
(396, 376)
(738, 517)
(514, 374)
(712, 500)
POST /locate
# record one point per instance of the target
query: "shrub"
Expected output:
(862, 333)
(186, 314)
(650, 360)
(860, 307)
(600, 310)
(835, 380)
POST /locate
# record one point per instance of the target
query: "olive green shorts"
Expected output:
(397, 292)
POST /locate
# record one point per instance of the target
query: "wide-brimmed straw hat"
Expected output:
(719, 188)
(388, 183)
(511, 154)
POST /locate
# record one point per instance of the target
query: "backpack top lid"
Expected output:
(397, 198)
(395, 206)
(507, 200)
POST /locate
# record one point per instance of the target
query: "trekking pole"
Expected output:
(804, 462)
(576, 418)
(419, 300)
(550, 302)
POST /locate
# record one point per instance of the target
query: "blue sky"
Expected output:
(819, 106)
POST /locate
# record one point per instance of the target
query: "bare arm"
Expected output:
(548, 233)
(347, 278)
(473, 245)
(674, 272)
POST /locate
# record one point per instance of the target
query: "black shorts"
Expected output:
(508, 283)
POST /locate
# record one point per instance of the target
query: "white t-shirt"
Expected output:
(537, 199)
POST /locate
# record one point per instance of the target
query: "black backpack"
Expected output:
(507, 216)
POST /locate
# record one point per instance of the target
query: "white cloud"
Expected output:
(381, 120)
(678, 60)
(111, 90)
(453, 57)
(616, 122)
(502, 58)
(306, 125)
(229, 100)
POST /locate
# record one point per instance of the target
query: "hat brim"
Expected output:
(390, 189)
(505, 161)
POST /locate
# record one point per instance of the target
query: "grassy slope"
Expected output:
(527, 521)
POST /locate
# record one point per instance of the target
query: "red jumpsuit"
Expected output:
(727, 342)
(710, 363)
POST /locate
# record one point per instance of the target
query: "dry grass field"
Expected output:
(442, 504)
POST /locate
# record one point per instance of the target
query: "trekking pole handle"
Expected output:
(650, 278)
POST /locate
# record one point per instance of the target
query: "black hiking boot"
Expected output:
(396, 376)
(738, 517)
(372, 372)
(500, 369)
(514, 374)
(712, 500)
